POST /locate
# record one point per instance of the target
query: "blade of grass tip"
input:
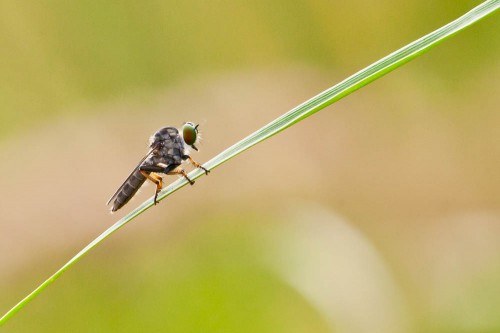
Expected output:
(356, 81)
(329, 96)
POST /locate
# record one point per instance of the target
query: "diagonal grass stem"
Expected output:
(304, 110)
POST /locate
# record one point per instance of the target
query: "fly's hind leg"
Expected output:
(155, 179)
(197, 165)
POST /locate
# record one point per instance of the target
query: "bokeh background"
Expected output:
(380, 213)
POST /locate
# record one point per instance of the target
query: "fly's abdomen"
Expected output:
(128, 189)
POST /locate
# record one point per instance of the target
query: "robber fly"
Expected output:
(168, 149)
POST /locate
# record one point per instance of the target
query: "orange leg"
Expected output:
(155, 179)
(180, 171)
(197, 165)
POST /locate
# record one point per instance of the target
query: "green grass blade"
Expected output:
(329, 96)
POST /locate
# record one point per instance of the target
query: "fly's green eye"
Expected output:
(189, 133)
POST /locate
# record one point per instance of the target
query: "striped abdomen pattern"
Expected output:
(128, 189)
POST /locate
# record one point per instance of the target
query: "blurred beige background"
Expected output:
(380, 213)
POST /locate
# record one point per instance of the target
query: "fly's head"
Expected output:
(190, 134)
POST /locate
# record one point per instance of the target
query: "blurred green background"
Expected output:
(379, 214)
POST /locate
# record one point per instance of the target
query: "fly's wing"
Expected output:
(113, 197)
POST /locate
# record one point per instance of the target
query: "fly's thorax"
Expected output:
(168, 147)
(162, 135)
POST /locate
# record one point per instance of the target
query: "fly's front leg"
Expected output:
(197, 165)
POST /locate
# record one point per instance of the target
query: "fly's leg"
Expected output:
(155, 179)
(172, 169)
(180, 171)
(197, 165)
(159, 185)
(148, 171)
